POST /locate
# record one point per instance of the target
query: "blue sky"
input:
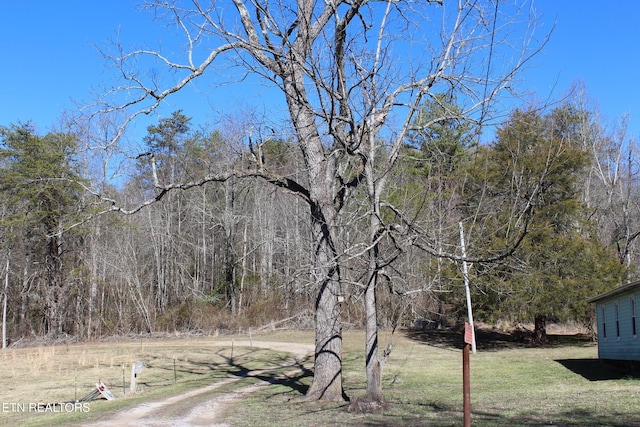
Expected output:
(48, 56)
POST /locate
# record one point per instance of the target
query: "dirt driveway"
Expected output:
(207, 412)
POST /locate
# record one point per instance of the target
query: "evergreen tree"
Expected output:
(533, 167)
(41, 183)
(166, 143)
(440, 137)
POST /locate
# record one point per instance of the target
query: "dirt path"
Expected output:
(206, 413)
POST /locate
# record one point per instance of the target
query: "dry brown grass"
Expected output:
(63, 373)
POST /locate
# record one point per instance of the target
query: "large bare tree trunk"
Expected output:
(374, 365)
(321, 173)
(374, 397)
(327, 379)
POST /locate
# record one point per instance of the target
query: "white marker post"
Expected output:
(136, 368)
(465, 275)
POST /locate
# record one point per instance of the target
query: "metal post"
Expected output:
(465, 275)
(466, 375)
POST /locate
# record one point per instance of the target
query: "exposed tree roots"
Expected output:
(362, 405)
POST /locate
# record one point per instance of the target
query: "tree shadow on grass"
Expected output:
(293, 381)
(452, 339)
(601, 370)
(278, 370)
(579, 417)
(448, 417)
(493, 340)
(285, 372)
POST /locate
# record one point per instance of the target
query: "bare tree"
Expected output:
(352, 73)
(610, 186)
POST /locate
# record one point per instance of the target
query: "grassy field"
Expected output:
(512, 385)
(561, 385)
(63, 373)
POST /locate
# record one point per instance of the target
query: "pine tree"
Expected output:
(534, 167)
(42, 187)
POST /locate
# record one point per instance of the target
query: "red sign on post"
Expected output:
(468, 333)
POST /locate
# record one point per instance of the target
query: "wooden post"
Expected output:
(466, 374)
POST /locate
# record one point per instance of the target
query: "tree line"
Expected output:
(235, 254)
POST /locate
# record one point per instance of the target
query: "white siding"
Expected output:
(625, 345)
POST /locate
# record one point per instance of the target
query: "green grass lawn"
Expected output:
(511, 385)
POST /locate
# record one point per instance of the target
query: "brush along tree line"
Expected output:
(346, 209)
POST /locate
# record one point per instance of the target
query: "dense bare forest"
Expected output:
(234, 255)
